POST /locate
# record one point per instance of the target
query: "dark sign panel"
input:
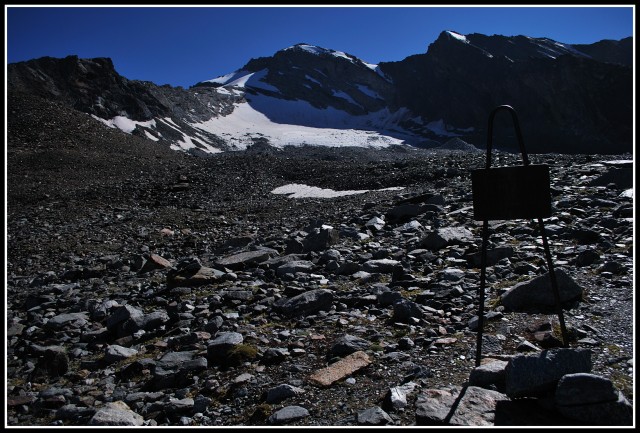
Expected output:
(505, 193)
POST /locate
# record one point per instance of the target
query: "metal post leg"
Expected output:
(554, 285)
(483, 278)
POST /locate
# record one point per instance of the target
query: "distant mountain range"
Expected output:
(569, 98)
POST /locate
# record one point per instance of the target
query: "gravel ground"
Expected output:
(79, 194)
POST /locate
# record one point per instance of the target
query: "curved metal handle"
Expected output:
(525, 158)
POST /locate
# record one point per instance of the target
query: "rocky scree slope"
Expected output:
(147, 287)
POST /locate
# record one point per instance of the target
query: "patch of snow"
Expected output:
(190, 143)
(223, 91)
(125, 124)
(319, 51)
(296, 190)
(256, 81)
(308, 48)
(368, 91)
(294, 123)
(104, 121)
(171, 124)
(627, 193)
(440, 128)
(312, 79)
(458, 36)
(341, 54)
(186, 143)
(619, 162)
(242, 79)
(370, 66)
(345, 96)
(545, 53)
(324, 51)
(150, 136)
(467, 130)
(225, 79)
(377, 70)
(202, 137)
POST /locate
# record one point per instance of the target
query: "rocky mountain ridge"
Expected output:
(571, 99)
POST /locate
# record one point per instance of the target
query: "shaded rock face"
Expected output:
(481, 74)
(317, 77)
(609, 51)
(93, 86)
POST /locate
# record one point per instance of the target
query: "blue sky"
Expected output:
(181, 46)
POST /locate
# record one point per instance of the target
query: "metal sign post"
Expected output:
(505, 193)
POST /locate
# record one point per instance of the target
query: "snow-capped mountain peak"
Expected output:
(306, 94)
(319, 51)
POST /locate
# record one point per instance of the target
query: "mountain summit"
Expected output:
(570, 98)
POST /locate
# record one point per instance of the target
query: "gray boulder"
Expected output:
(494, 255)
(125, 320)
(468, 406)
(592, 399)
(382, 266)
(404, 310)
(348, 344)
(282, 392)
(303, 266)
(404, 212)
(538, 374)
(115, 353)
(621, 177)
(536, 295)
(305, 303)
(218, 349)
(374, 416)
(239, 261)
(190, 272)
(320, 238)
(446, 236)
(490, 374)
(116, 414)
(74, 320)
(288, 414)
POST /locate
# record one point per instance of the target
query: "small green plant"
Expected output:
(400, 332)
(623, 382)
(614, 349)
(557, 331)
(494, 302)
(242, 352)
(261, 412)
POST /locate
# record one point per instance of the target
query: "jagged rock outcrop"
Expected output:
(541, 78)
